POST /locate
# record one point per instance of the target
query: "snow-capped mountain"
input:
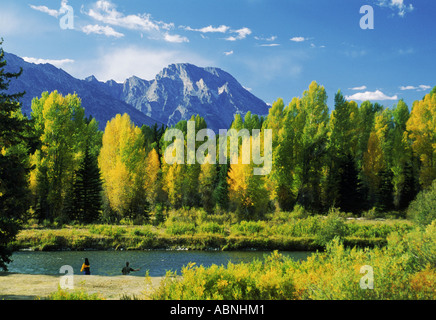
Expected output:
(177, 92)
(37, 78)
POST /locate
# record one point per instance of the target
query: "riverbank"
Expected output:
(15, 286)
(294, 235)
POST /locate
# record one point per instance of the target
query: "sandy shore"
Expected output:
(15, 286)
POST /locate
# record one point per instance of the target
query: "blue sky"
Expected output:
(274, 48)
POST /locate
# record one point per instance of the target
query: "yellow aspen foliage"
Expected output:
(122, 162)
(206, 182)
(421, 127)
(247, 191)
(152, 184)
(373, 161)
(173, 183)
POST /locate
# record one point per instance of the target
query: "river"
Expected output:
(110, 263)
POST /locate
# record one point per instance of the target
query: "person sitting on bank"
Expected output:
(86, 267)
(126, 270)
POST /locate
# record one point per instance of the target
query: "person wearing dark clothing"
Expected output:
(86, 267)
(126, 270)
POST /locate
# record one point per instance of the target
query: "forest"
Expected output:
(354, 158)
(357, 159)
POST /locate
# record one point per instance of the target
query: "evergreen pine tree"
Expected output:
(15, 141)
(87, 190)
(349, 196)
(410, 188)
(384, 197)
(221, 193)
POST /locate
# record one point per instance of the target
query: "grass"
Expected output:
(197, 231)
(62, 294)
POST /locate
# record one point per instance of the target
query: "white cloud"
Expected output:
(57, 63)
(370, 95)
(358, 88)
(240, 34)
(270, 45)
(106, 12)
(50, 12)
(408, 88)
(209, 29)
(298, 39)
(105, 30)
(228, 53)
(421, 87)
(272, 38)
(396, 5)
(175, 38)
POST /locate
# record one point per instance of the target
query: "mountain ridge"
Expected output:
(176, 93)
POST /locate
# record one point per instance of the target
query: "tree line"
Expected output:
(57, 165)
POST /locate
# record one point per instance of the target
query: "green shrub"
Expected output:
(107, 230)
(252, 281)
(212, 227)
(423, 208)
(62, 294)
(180, 228)
(332, 226)
(403, 270)
(146, 231)
(249, 227)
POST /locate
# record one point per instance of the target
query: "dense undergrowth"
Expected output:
(193, 229)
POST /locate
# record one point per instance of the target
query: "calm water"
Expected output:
(110, 263)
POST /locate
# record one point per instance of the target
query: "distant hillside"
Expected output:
(178, 92)
(37, 78)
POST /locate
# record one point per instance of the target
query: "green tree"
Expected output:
(207, 181)
(221, 192)
(421, 128)
(311, 123)
(281, 122)
(87, 190)
(152, 136)
(153, 183)
(401, 164)
(342, 185)
(15, 147)
(61, 123)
